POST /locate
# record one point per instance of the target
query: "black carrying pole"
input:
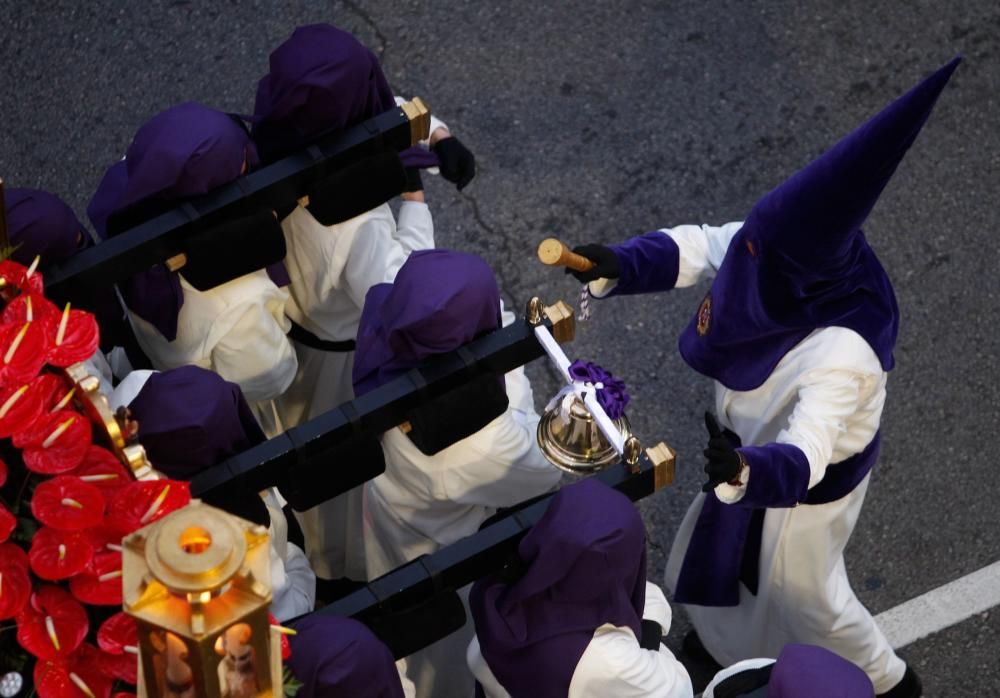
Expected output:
(388, 604)
(319, 439)
(271, 187)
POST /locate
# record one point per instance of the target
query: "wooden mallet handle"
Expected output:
(554, 253)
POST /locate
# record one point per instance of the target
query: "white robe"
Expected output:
(237, 330)
(332, 268)
(423, 503)
(825, 396)
(739, 667)
(614, 665)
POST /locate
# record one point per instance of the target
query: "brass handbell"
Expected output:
(577, 445)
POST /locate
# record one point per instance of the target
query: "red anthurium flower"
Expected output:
(17, 274)
(15, 584)
(58, 554)
(29, 307)
(73, 337)
(124, 694)
(101, 585)
(52, 625)
(22, 351)
(143, 502)
(20, 407)
(102, 469)
(67, 503)
(56, 443)
(8, 522)
(286, 648)
(52, 389)
(3, 473)
(76, 677)
(119, 640)
(104, 540)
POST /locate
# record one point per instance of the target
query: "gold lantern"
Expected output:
(198, 584)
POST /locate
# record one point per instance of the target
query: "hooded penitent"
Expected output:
(584, 565)
(439, 301)
(321, 80)
(191, 419)
(337, 657)
(40, 224)
(801, 670)
(801, 262)
(184, 151)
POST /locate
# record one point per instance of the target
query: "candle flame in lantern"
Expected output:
(34, 265)
(61, 334)
(99, 477)
(30, 315)
(50, 627)
(65, 400)
(81, 685)
(67, 502)
(9, 356)
(62, 552)
(57, 432)
(155, 506)
(11, 400)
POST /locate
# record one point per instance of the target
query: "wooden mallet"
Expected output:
(554, 253)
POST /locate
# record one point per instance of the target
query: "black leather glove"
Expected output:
(605, 263)
(723, 462)
(458, 164)
(413, 180)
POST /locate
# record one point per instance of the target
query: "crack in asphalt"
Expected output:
(367, 19)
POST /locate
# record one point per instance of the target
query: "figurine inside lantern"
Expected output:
(198, 584)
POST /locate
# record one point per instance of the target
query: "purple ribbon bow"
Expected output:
(611, 393)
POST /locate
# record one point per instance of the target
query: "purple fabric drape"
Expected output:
(807, 670)
(337, 657)
(191, 419)
(585, 565)
(439, 301)
(40, 224)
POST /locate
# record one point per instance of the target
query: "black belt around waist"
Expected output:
(303, 336)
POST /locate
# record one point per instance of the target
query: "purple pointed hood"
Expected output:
(183, 151)
(807, 670)
(585, 565)
(321, 80)
(801, 261)
(40, 224)
(191, 419)
(439, 301)
(337, 657)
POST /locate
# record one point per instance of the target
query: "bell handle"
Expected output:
(554, 253)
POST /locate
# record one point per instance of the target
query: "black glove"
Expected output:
(723, 461)
(605, 263)
(458, 164)
(413, 180)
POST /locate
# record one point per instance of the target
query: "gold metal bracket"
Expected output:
(631, 454)
(563, 321)
(664, 460)
(420, 119)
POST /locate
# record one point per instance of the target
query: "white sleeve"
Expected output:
(656, 607)
(510, 467)
(380, 247)
(293, 584)
(702, 249)
(615, 664)
(254, 353)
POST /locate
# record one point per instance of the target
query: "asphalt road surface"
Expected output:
(596, 121)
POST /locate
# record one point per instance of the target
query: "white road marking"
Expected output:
(942, 607)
